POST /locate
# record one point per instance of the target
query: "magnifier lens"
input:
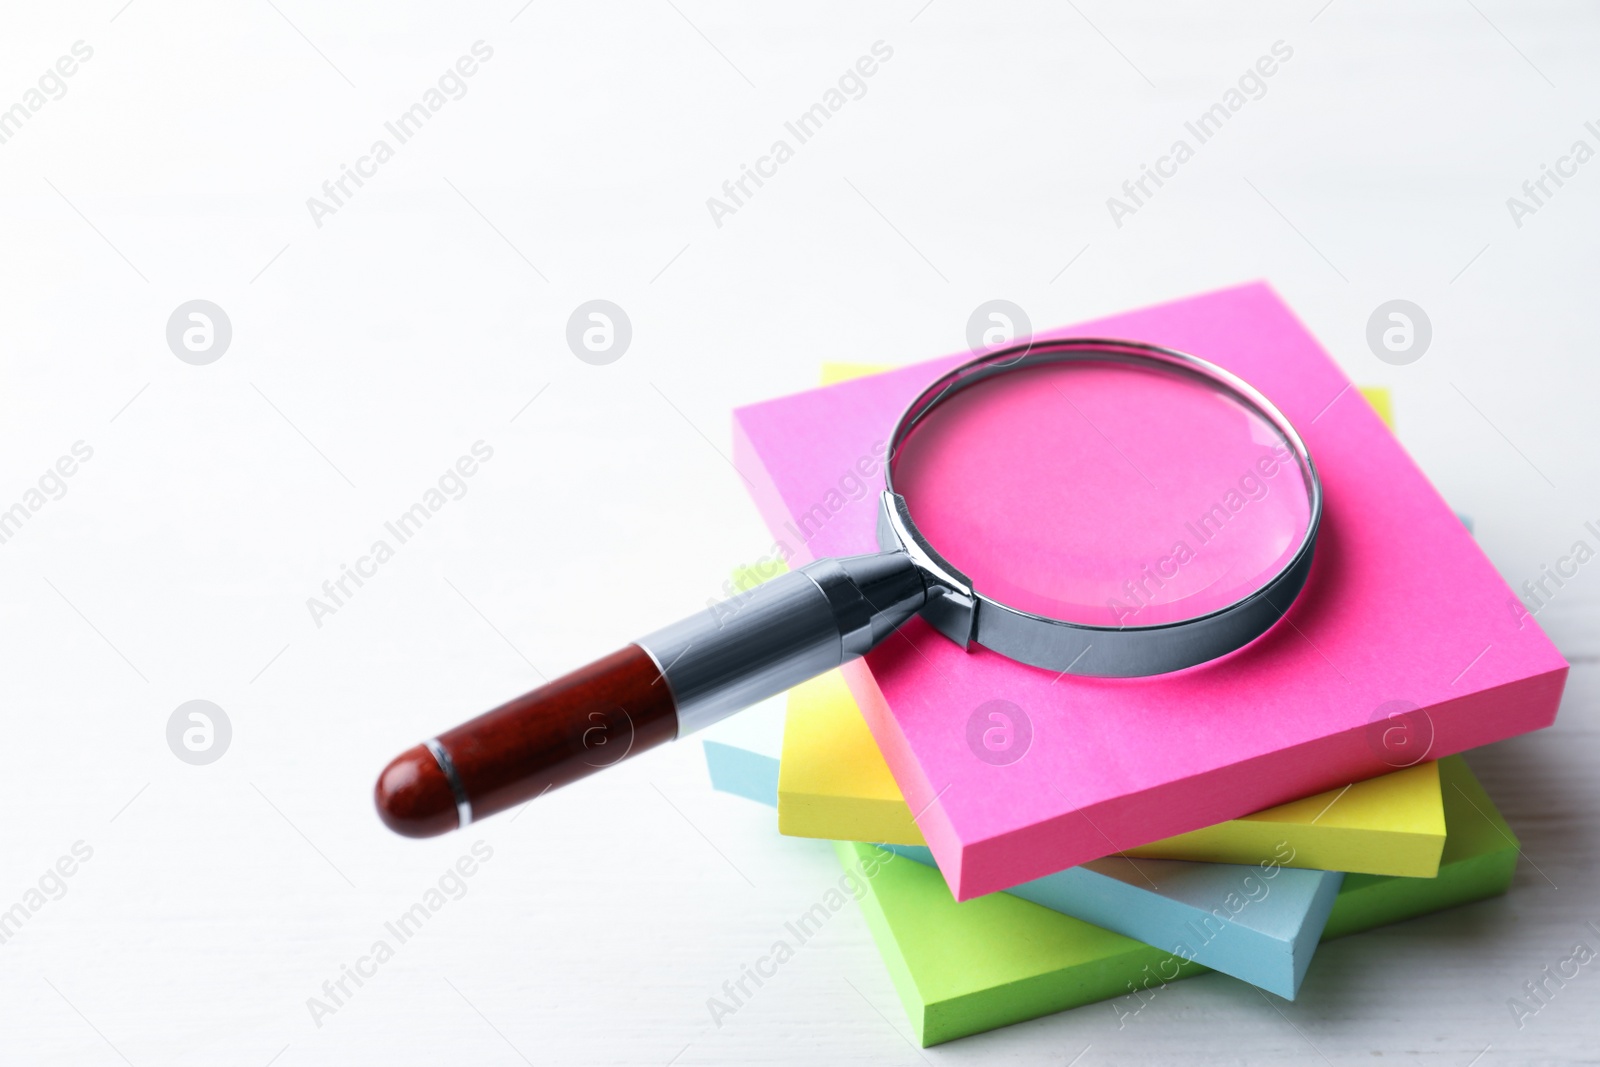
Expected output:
(1105, 493)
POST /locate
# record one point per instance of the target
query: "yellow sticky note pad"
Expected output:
(833, 373)
(833, 783)
(1378, 397)
(832, 780)
(1393, 824)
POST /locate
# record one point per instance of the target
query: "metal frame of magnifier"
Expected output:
(966, 616)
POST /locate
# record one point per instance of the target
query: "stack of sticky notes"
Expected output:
(1228, 817)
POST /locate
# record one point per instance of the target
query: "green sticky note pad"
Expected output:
(1480, 856)
(964, 968)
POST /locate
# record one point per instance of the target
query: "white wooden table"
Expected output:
(377, 336)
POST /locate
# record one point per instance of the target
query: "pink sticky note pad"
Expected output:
(1401, 610)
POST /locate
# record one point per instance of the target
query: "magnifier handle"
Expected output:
(595, 717)
(664, 686)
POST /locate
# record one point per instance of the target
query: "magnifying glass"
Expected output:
(1091, 507)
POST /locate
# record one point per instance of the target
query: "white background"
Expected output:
(369, 353)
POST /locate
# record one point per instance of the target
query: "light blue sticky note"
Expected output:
(1258, 923)
(742, 773)
(742, 752)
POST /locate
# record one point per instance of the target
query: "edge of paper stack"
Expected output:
(1251, 897)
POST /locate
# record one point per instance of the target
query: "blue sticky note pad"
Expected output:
(742, 773)
(742, 752)
(1259, 923)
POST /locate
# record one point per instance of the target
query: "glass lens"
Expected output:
(1105, 493)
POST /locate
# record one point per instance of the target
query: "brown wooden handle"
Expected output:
(580, 723)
